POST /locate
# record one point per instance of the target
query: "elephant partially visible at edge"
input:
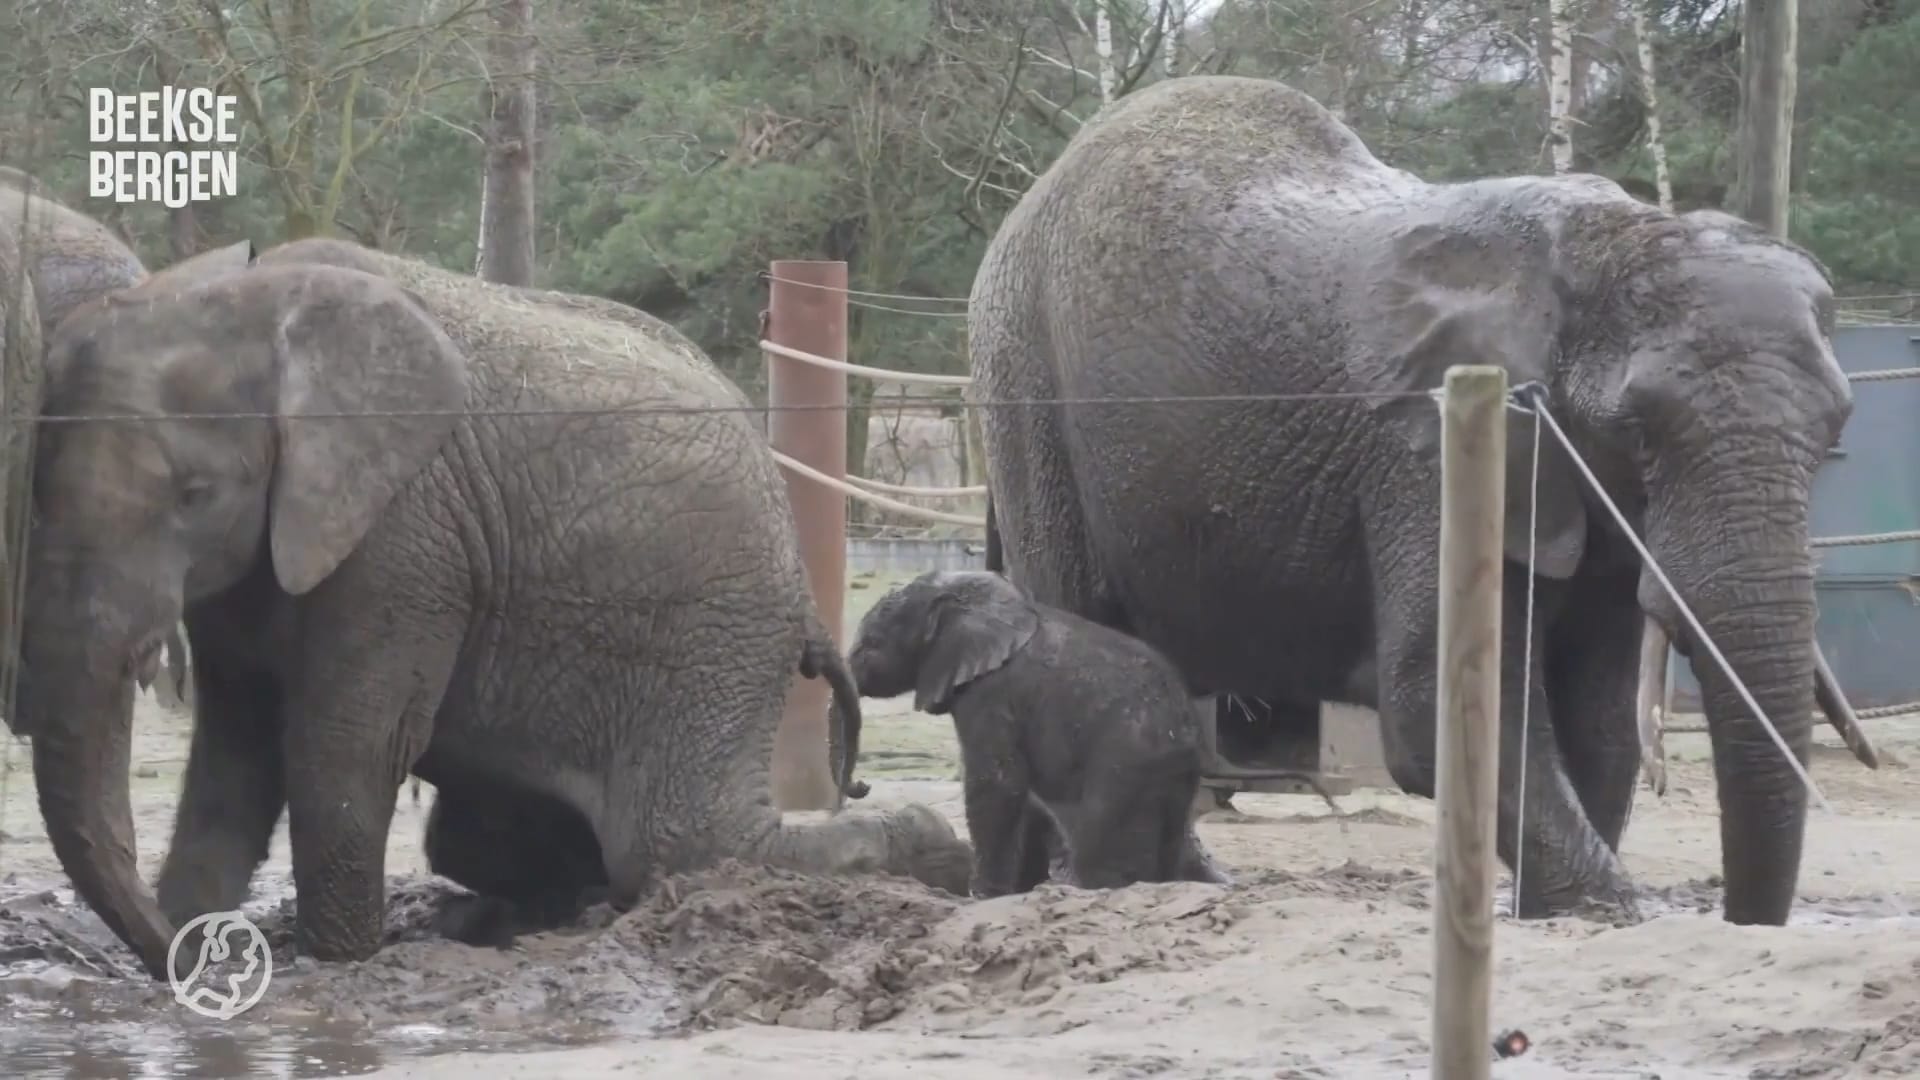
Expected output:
(59, 258)
(529, 553)
(1220, 236)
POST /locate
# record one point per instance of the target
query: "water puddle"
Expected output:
(72, 1008)
(78, 1031)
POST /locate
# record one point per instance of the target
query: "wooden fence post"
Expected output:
(1467, 729)
(807, 310)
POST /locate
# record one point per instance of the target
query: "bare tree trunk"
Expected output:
(1560, 84)
(1175, 13)
(1103, 49)
(1769, 75)
(506, 203)
(1650, 94)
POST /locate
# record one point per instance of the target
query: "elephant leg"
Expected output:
(1038, 837)
(996, 804)
(356, 722)
(1592, 672)
(1131, 827)
(232, 795)
(1110, 847)
(1197, 863)
(1563, 863)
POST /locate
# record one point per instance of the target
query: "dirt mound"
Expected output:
(1348, 881)
(749, 944)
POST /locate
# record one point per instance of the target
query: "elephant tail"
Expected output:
(996, 558)
(819, 657)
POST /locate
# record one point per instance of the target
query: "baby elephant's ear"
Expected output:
(972, 634)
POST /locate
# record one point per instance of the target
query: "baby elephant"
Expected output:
(1062, 722)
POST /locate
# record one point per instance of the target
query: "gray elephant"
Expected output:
(1223, 236)
(529, 553)
(58, 259)
(1063, 724)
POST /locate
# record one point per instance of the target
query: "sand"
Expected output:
(1315, 963)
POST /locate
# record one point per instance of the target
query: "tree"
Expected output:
(1559, 75)
(506, 183)
(1769, 76)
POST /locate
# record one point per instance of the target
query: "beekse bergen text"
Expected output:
(172, 118)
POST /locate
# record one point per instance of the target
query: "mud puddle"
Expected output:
(73, 1003)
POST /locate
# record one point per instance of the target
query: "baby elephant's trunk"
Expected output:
(819, 657)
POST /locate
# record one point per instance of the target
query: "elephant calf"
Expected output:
(1062, 723)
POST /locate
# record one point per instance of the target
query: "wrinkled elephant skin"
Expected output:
(1222, 236)
(1061, 722)
(591, 609)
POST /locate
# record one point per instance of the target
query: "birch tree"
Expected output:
(1103, 49)
(1560, 84)
(1650, 95)
(1173, 14)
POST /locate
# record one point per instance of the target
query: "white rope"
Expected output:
(1526, 676)
(1693, 622)
(918, 492)
(895, 505)
(880, 374)
(1885, 374)
(1864, 539)
(769, 276)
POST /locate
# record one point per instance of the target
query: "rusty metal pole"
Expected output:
(807, 311)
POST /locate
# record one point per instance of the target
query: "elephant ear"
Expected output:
(973, 628)
(351, 343)
(1477, 291)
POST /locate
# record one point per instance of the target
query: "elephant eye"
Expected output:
(195, 492)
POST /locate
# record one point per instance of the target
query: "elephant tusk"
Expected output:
(1833, 701)
(1649, 705)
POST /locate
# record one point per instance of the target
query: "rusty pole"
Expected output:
(807, 311)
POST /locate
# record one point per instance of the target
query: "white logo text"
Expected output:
(173, 117)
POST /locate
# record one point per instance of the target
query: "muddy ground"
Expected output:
(1313, 965)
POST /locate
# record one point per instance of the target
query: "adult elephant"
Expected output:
(63, 259)
(1222, 236)
(532, 555)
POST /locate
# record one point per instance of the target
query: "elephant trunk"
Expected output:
(1757, 607)
(82, 752)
